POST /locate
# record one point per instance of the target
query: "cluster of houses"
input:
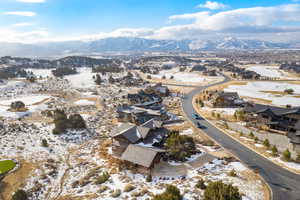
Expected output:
(139, 140)
(292, 68)
(284, 121)
(204, 70)
(221, 99)
(241, 73)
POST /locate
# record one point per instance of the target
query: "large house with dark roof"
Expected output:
(140, 145)
(137, 114)
(224, 99)
(282, 120)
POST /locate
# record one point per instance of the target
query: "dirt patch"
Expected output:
(16, 179)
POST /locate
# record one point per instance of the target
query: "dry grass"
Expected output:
(16, 179)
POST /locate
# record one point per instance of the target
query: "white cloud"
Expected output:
(11, 35)
(213, 5)
(21, 13)
(32, 1)
(22, 24)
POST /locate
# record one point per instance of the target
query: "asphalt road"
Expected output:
(285, 185)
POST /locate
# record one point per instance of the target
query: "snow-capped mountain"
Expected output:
(124, 44)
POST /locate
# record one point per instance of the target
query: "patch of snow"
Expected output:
(84, 102)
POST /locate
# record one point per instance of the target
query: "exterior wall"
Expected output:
(119, 145)
(282, 142)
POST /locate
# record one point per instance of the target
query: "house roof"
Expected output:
(153, 124)
(140, 155)
(129, 131)
(258, 108)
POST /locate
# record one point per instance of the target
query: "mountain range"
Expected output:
(124, 44)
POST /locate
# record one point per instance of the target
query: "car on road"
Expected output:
(196, 116)
(199, 125)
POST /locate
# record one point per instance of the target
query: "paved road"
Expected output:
(285, 185)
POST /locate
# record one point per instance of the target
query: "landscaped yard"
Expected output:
(6, 166)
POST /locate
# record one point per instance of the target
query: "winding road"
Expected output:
(284, 184)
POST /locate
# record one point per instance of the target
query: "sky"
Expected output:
(30, 21)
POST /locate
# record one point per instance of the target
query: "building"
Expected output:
(137, 115)
(284, 121)
(141, 145)
(224, 100)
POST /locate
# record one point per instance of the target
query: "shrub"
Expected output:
(44, 143)
(179, 147)
(266, 143)
(171, 193)
(201, 184)
(232, 173)
(116, 193)
(128, 188)
(172, 77)
(76, 122)
(298, 157)
(256, 139)
(274, 151)
(98, 80)
(149, 77)
(102, 188)
(20, 195)
(149, 178)
(251, 135)
(286, 155)
(163, 77)
(17, 105)
(289, 91)
(103, 178)
(220, 191)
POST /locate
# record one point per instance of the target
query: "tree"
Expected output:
(20, 195)
(289, 91)
(251, 135)
(44, 143)
(149, 178)
(171, 193)
(220, 191)
(286, 155)
(111, 80)
(256, 139)
(98, 80)
(149, 77)
(201, 184)
(266, 143)
(163, 77)
(172, 77)
(179, 147)
(76, 122)
(274, 151)
(17, 105)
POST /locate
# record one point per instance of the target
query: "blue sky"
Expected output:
(42, 20)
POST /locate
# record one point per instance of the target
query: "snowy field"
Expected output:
(44, 73)
(226, 111)
(255, 90)
(33, 104)
(267, 71)
(84, 79)
(189, 77)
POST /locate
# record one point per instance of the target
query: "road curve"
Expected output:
(284, 184)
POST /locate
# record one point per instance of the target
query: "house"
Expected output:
(137, 115)
(282, 120)
(224, 100)
(158, 89)
(142, 157)
(141, 145)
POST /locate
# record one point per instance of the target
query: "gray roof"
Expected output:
(140, 155)
(257, 108)
(153, 124)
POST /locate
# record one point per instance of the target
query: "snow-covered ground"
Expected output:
(226, 111)
(44, 73)
(84, 78)
(291, 165)
(188, 77)
(255, 90)
(267, 71)
(84, 102)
